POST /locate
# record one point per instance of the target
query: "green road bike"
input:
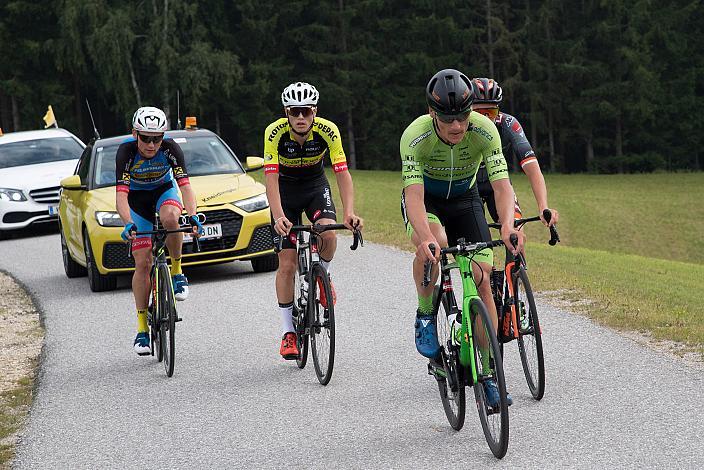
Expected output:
(466, 334)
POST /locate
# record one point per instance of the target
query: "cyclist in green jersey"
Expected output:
(441, 153)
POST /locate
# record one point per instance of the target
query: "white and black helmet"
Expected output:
(150, 119)
(300, 94)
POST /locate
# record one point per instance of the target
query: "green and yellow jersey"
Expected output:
(450, 170)
(295, 162)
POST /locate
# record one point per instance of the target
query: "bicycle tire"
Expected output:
(530, 341)
(167, 325)
(154, 323)
(495, 428)
(451, 387)
(322, 325)
(300, 323)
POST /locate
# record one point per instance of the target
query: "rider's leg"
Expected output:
(284, 287)
(425, 294)
(169, 213)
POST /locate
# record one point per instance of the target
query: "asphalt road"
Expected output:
(233, 402)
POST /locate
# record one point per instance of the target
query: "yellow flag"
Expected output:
(49, 118)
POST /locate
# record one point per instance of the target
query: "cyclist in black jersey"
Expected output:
(488, 95)
(294, 149)
(149, 168)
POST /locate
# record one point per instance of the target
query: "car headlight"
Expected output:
(109, 219)
(7, 194)
(253, 203)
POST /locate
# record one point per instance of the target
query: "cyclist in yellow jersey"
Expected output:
(294, 149)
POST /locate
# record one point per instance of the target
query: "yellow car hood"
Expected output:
(210, 191)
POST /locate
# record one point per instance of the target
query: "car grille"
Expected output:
(45, 195)
(17, 217)
(261, 240)
(115, 255)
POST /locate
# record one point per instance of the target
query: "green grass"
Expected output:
(631, 244)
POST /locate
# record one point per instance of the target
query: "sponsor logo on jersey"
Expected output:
(276, 130)
(415, 141)
(481, 131)
(268, 157)
(325, 129)
(316, 214)
(516, 127)
(326, 195)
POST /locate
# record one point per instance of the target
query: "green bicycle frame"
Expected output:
(470, 293)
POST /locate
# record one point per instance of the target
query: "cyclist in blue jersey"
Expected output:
(149, 170)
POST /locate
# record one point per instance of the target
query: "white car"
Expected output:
(31, 165)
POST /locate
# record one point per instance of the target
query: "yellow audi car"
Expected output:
(237, 218)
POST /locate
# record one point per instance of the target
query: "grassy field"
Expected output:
(631, 244)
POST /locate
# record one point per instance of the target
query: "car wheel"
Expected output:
(72, 268)
(265, 264)
(98, 282)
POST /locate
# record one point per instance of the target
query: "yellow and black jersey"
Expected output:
(285, 156)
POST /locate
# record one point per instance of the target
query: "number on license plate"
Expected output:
(211, 231)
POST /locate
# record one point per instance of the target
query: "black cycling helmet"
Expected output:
(486, 90)
(449, 92)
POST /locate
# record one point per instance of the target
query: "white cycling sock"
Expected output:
(286, 318)
(326, 265)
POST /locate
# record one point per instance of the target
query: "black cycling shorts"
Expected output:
(312, 197)
(462, 216)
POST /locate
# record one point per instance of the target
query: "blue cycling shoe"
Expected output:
(427, 336)
(141, 344)
(180, 286)
(491, 391)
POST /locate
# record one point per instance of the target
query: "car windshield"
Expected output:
(31, 152)
(204, 155)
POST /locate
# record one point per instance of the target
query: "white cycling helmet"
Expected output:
(149, 119)
(300, 94)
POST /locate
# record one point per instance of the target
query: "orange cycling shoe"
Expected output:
(288, 349)
(323, 299)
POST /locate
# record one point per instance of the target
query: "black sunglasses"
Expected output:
(295, 111)
(150, 139)
(448, 118)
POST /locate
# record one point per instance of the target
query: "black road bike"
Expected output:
(161, 315)
(314, 320)
(518, 315)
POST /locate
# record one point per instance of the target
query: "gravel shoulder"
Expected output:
(21, 336)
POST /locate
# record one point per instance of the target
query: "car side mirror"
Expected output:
(254, 163)
(73, 182)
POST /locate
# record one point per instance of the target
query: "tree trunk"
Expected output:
(352, 157)
(134, 82)
(217, 121)
(15, 114)
(489, 42)
(5, 113)
(164, 40)
(551, 140)
(79, 108)
(589, 154)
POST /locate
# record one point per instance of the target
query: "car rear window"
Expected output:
(204, 155)
(31, 152)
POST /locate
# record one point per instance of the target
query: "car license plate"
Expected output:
(211, 231)
(53, 210)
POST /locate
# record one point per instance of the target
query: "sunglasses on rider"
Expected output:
(449, 118)
(295, 111)
(150, 139)
(491, 113)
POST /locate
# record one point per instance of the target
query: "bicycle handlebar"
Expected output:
(163, 232)
(462, 247)
(358, 239)
(547, 215)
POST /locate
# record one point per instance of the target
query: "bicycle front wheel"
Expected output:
(322, 325)
(300, 321)
(494, 417)
(450, 384)
(530, 341)
(153, 319)
(167, 318)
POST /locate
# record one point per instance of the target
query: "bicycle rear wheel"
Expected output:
(494, 419)
(299, 322)
(322, 325)
(167, 317)
(530, 341)
(450, 384)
